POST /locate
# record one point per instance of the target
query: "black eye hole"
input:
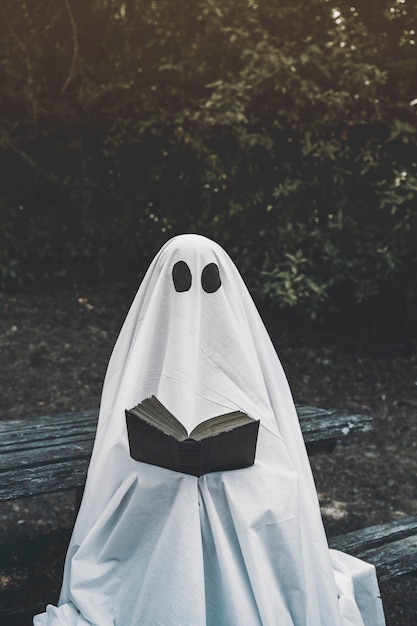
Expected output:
(181, 275)
(210, 278)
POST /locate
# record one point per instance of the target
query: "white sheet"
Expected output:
(247, 547)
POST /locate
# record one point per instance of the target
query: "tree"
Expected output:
(285, 130)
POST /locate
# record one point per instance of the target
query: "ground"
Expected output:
(54, 348)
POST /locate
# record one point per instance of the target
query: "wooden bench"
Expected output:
(51, 453)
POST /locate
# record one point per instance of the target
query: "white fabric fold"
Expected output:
(155, 547)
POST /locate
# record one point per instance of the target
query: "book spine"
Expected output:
(189, 457)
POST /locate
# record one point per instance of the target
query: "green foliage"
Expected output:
(284, 130)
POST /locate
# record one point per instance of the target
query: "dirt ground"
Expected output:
(54, 349)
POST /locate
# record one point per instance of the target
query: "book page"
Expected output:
(220, 423)
(153, 412)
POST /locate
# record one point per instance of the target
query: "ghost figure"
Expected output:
(244, 547)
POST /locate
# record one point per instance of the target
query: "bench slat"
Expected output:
(321, 424)
(391, 547)
(394, 559)
(45, 427)
(63, 449)
(374, 536)
(40, 479)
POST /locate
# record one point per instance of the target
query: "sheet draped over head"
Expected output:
(156, 547)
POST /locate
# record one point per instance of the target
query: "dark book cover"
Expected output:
(224, 442)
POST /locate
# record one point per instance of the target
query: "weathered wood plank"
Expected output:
(38, 429)
(394, 559)
(60, 451)
(374, 536)
(322, 424)
(35, 480)
(45, 454)
(323, 428)
(391, 547)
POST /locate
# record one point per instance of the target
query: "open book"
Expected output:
(220, 443)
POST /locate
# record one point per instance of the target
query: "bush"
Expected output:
(285, 131)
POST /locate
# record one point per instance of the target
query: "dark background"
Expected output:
(284, 130)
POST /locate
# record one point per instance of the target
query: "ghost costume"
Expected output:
(244, 547)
